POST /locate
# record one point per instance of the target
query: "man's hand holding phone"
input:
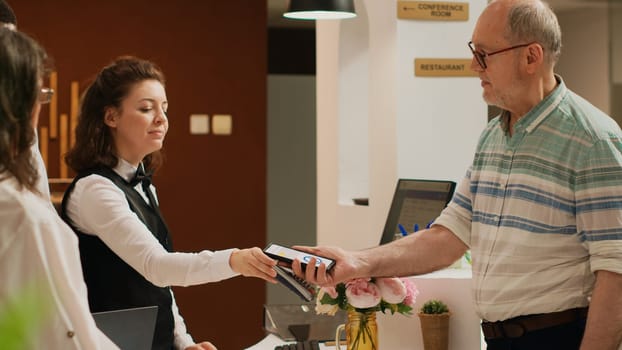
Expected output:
(289, 255)
(341, 271)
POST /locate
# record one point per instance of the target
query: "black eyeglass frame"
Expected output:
(45, 95)
(480, 57)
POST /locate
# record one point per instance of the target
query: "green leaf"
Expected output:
(22, 316)
(326, 299)
(434, 307)
(343, 300)
(404, 309)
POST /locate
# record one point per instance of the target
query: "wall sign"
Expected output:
(433, 10)
(444, 67)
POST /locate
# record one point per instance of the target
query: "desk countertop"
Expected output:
(271, 341)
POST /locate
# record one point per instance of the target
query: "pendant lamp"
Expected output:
(320, 9)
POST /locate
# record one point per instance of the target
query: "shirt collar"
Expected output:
(537, 114)
(125, 169)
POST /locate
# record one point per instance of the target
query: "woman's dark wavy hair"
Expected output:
(22, 66)
(94, 146)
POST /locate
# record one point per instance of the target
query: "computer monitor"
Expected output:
(300, 322)
(416, 202)
(129, 328)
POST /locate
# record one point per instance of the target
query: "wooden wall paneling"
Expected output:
(73, 112)
(63, 144)
(212, 188)
(53, 111)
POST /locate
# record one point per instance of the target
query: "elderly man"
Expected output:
(540, 206)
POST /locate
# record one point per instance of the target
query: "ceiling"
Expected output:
(276, 8)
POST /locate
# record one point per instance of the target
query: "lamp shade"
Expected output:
(320, 9)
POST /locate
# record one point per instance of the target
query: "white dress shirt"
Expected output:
(38, 250)
(98, 207)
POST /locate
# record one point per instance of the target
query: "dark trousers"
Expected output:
(562, 337)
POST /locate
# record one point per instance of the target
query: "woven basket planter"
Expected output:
(435, 331)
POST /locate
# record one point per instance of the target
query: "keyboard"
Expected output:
(301, 345)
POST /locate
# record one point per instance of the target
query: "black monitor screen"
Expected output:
(416, 203)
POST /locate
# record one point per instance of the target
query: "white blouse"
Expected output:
(39, 252)
(98, 207)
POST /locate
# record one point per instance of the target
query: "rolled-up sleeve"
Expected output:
(457, 215)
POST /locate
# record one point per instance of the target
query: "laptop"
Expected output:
(130, 329)
(416, 203)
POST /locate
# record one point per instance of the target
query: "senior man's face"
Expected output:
(500, 77)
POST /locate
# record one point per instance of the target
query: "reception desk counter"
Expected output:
(399, 332)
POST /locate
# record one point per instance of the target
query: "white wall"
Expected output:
(439, 119)
(416, 127)
(353, 122)
(345, 224)
(584, 63)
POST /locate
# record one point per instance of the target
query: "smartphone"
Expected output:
(288, 255)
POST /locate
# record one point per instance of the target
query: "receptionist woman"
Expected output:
(125, 246)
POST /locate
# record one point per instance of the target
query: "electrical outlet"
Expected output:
(222, 124)
(199, 124)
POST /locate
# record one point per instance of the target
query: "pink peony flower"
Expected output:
(368, 294)
(392, 289)
(411, 292)
(361, 293)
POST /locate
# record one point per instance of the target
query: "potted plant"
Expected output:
(434, 317)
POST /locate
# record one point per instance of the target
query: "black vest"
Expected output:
(113, 284)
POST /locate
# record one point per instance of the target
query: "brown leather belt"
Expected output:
(517, 327)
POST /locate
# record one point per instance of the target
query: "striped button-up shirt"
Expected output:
(541, 209)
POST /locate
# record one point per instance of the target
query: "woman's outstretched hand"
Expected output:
(252, 262)
(202, 346)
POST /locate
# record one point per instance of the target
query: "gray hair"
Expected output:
(530, 21)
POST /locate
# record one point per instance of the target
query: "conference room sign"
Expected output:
(437, 11)
(433, 10)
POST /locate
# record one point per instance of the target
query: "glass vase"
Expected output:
(361, 330)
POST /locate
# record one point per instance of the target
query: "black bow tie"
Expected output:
(141, 177)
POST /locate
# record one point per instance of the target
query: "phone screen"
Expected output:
(288, 254)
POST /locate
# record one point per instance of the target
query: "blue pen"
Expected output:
(429, 224)
(416, 228)
(402, 230)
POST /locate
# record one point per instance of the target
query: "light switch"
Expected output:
(222, 124)
(199, 124)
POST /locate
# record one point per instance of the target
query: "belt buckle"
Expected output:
(513, 329)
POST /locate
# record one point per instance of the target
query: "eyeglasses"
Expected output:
(45, 95)
(481, 56)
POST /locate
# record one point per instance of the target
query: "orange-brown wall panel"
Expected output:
(212, 188)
